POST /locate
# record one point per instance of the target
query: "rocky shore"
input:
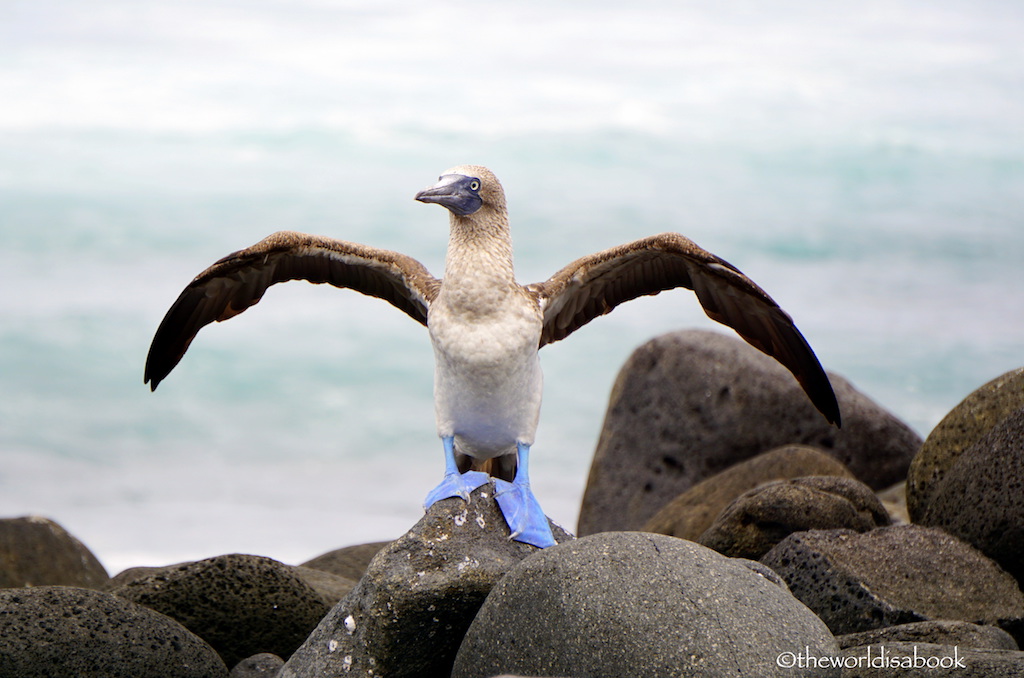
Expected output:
(725, 530)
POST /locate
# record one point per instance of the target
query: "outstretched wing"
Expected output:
(594, 285)
(239, 281)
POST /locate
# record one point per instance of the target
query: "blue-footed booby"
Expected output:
(485, 328)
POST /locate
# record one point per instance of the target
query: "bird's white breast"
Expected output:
(487, 377)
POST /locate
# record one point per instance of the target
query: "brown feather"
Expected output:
(595, 284)
(239, 280)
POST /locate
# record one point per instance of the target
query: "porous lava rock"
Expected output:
(690, 514)
(690, 404)
(410, 610)
(760, 518)
(895, 575)
(964, 425)
(49, 631)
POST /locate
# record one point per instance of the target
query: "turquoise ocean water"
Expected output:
(863, 162)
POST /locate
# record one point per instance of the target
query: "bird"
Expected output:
(486, 329)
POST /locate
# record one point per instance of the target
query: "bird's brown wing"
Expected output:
(593, 285)
(240, 279)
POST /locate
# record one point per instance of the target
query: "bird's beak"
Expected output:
(455, 192)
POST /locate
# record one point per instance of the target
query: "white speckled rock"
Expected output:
(408, 613)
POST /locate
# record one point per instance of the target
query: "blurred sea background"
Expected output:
(863, 162)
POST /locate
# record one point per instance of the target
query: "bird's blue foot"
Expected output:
(454, 484)
(521, 509)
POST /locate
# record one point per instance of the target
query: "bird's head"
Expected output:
(465, 190)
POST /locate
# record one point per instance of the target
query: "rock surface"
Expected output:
(963, 426)
(637, 604)
(264, 665)
(894, 499)
(36, 551)
(981, 497)
(894, 575)
(689, 404)
(330, 587)
(959, 633)
(690, 514)
(241, 605)
(349, 562)
(761, 518)
(409, 612)
(50, 631)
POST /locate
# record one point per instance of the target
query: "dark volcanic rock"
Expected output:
(242, 605)
(132, 574)
(761, 518)
(349, 562)
(981, 497)
(690, 514)
(330, 587)
(407, 615)
(963, 426)
(925, 660)
(894, 575)
(689, 404)
(51, 631)
(894, 499)
(263, 665)
(638, 604)
(959, 633)
(36, 551)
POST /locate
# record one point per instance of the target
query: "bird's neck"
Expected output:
(478, 271)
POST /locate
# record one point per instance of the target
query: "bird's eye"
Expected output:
(474, 185)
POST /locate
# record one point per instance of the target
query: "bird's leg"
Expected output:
(521, 509)
(454, 484)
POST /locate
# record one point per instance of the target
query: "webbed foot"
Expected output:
(454, 484)
(520, 507)
(523, 514)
